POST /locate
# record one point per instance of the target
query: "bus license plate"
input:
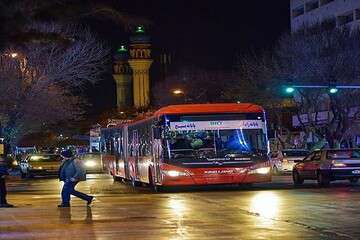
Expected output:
(356, 172)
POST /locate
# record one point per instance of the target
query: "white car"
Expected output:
(283, 161)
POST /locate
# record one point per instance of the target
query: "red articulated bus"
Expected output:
(193, 144)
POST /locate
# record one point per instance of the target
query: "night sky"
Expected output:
(205, 33)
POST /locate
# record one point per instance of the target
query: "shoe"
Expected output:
(63, 205)
(90, 200)
(6, 205)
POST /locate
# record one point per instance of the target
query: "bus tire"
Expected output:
(153, 186)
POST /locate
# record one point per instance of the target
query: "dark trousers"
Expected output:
(69, 189)
(2, 191)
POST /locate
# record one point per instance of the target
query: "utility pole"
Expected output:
(2, 147)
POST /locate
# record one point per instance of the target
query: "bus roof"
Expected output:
(209, 108)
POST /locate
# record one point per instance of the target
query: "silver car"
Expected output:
(283, 161)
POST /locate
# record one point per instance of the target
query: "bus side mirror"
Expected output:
(157, 132)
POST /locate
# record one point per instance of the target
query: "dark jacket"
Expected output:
(3, 169)
(71, 169)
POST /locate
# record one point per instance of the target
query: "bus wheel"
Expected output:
(153, 186)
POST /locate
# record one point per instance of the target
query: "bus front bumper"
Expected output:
(217, 176)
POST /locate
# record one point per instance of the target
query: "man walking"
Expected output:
(71, 173)
(3, 173)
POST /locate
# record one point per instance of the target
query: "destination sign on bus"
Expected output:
(216, 125)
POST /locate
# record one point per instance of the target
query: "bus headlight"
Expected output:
(90, 163)
(173, 173)
(263, 170)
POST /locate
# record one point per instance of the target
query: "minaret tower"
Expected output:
(123, 78)
(140, 62)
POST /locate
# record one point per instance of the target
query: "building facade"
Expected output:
(336, 12)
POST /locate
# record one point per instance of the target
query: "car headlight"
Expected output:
(173, 173)
(14, 163)
(90, 163)
(263, 170)
(338, 164)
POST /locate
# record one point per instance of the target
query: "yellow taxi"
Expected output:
(40, 165)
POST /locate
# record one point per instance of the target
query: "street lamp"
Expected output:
(178, 91)
(13, 55)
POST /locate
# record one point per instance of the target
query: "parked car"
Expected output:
(92, 162)
(329, 165)
(284, 160)
(40, 164)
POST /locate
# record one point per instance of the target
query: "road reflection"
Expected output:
(65, 216)
(178, 210)
(177, 206)
(265, 205)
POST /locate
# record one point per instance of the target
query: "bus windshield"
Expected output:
(221, 143)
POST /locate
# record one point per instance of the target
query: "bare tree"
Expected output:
(312, 57)
(41, 81)
(326, 58)
(254, 82)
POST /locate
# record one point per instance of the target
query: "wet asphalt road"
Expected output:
(266, 211)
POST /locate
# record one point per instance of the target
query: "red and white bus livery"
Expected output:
(194, 144)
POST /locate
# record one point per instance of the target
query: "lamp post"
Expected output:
(180, 92)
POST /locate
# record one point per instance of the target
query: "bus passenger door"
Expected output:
(157, 153)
